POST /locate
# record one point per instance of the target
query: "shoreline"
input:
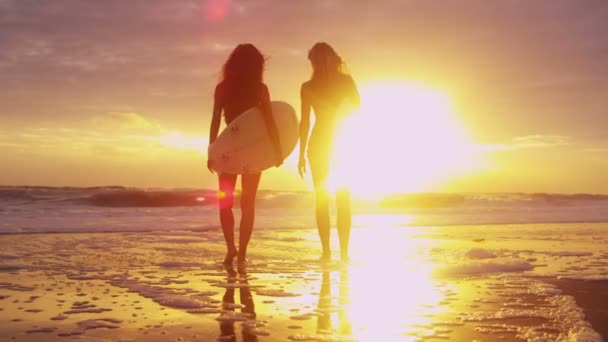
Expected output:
(591, 296)
(212, 227)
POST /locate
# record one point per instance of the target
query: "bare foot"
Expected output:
(242, 262)
(325, 257)
(344, 257)
(230, 256)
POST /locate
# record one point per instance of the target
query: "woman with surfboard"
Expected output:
(241, 89)
(325, 92)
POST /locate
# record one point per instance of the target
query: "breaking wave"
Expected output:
(118, 196)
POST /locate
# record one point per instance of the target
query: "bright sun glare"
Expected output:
(182, 141)
(405, 137)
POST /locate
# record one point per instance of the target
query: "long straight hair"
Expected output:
(326, 64)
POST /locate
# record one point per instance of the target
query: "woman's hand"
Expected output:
(302, 167)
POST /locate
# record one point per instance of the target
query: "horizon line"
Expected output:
(285, 190)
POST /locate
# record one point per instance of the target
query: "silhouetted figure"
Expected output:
(241, 88)
(326, 90)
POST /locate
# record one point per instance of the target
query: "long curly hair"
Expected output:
(244, 66)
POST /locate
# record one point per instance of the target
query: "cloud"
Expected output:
(109, 150)
(222, 47)
(534, 141)
(10, 145)
(113, 134)
(165, 54)
(183, 141)
(129, 120)
(540, 141)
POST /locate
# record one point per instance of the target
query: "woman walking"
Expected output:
(241, 88)
(326, 90)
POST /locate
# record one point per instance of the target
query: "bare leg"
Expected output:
(344, 221)
(323, 222)
(250, 184)
(319, 168)
(227, 221)
(226, 200)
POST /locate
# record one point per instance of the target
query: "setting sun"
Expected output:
(405, 137)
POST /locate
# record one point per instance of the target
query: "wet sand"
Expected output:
(592, 297)
(403, 284)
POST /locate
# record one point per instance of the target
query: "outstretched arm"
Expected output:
(216, 120)
(304, 129)
(271, 125)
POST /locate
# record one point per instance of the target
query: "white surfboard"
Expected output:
(244, 146)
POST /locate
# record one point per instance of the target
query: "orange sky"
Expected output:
(119, 93)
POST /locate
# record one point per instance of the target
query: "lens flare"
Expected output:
(216, 10)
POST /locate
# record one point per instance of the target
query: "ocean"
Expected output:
(97, 209)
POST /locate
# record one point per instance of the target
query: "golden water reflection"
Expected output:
(387, 293)
(246, 307)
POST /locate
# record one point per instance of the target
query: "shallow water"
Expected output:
(404, 283)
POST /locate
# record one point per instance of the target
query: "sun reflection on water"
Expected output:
(387, 293)
(383, 219)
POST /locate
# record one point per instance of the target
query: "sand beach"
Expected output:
(458, 283)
